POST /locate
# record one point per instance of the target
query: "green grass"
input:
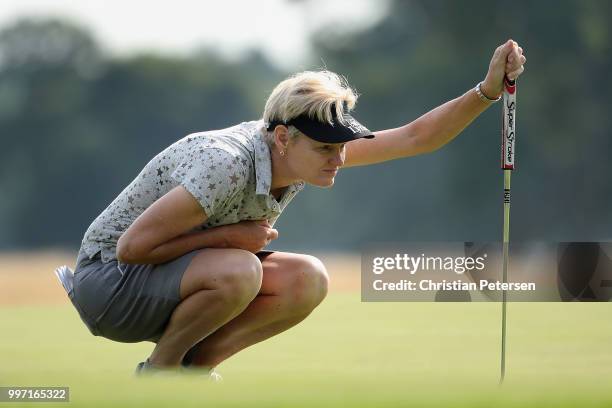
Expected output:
(347, 353)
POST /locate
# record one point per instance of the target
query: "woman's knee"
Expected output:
(235, 273)
(310, 283)
(241, 277)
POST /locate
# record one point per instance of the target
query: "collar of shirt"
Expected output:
(263, 168)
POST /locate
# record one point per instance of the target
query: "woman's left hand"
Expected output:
(508, 60)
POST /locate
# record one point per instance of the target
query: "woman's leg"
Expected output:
(216, 287)
(293, 285)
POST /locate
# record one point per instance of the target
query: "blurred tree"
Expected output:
(30, 45)
(71, 140)
(46, 68)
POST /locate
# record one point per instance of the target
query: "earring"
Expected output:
(282, 152)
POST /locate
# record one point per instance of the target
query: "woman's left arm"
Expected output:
(440, 125)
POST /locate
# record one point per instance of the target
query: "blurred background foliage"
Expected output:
(77, 125)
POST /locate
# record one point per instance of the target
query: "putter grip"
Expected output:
(508, 125)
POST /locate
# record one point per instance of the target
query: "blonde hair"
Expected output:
(314, 93)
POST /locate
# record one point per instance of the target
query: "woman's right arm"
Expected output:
(163, 232)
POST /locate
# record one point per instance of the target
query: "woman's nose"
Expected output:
(338, 159)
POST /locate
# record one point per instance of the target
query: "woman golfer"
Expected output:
(177, 258)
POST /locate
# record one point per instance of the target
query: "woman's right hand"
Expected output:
(252, 236)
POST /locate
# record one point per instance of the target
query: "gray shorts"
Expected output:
(127, 303)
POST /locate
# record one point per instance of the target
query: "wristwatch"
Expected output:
(484, 97)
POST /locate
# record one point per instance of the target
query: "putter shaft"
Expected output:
(506, 242)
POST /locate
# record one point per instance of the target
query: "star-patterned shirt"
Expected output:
(228, 171)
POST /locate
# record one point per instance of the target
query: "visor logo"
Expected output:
(355, 126)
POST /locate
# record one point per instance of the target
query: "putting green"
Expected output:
(347, 353)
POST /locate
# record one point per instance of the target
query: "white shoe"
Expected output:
(214, 376)
(208, 373)
(145, 368)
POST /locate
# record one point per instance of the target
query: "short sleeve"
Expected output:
(213, 176)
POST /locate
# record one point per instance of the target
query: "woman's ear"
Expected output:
(281, 137)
